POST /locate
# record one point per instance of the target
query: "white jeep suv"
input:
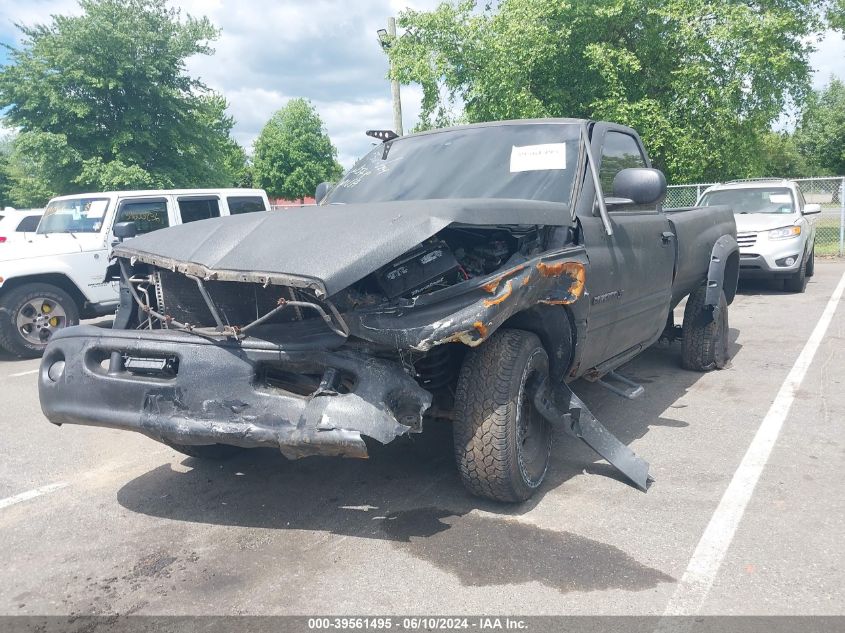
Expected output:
(775, 237)
(57, 275)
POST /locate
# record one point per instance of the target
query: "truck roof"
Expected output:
(508, 122)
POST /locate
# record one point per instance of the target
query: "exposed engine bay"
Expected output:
(171, 299)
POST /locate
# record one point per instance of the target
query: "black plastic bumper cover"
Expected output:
(216, 396)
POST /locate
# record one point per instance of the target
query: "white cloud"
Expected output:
(828, 60)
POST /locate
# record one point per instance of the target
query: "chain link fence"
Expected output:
(829, 193)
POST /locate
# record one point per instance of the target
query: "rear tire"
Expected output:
(798, 281)
(30, 315)
(502, 443)
(705, 340)
(211, 452)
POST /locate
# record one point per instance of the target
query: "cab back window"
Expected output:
(245, 204)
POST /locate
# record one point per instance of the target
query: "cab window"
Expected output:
(620, 151)
(148, 215)
(245, 204)
(193, 209)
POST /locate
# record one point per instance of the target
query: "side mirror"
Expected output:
(812, 209)
(322, 190)
(125, 230)
(640, 185)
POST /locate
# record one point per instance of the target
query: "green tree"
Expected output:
(781, 157)
(5, 178)
(293, 153)
(821, 135)
(702, 80)
(102, 100)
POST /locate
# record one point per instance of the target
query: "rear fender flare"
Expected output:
(723, 272)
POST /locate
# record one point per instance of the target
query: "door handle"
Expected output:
(666, 237)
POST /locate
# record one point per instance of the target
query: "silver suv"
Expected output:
(775, 237)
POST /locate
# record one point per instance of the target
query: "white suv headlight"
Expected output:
(785, 233)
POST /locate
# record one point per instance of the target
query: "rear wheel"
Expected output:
(705, 339)
(502, 443)
(30, 315)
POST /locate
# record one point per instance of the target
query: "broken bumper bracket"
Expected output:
(560, 405)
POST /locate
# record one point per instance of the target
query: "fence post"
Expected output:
(697, 193)
(842, 217)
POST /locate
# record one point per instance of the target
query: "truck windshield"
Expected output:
(752, 200)
(534, 161)
(80, 215)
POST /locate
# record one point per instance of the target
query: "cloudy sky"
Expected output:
(325, 50)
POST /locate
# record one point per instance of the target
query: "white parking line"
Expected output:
(24, 373)
(701, 571)
(31, 494)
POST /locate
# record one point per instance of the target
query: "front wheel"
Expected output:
(705, 337)
(30, 315)
(502, 443)
(798, 281)
(811, 262)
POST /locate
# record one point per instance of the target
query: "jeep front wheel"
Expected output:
(30, 315)
(502, 443)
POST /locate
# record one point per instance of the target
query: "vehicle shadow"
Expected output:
(409, 493)
(761, 287)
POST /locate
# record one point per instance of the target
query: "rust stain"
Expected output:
(526, 280)
(491, 286)
(505, 294)
(558, 302)
(551, 270)
(482, 329)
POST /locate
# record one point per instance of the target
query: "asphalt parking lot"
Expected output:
(95, 521)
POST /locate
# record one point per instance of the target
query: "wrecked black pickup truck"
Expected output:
(464, 275)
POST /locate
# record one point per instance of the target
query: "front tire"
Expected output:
(798, 281)
(30, 315)
(811, 262)
(705, 339)
(502, 443)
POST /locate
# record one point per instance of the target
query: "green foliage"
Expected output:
(821, 135)
(780, 157)
(293, 153)
(702, 80)
(103, 101)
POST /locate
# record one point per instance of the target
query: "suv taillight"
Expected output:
(2, 239)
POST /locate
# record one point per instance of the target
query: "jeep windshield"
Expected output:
(752, 200)
(79, 215)
(532, 161)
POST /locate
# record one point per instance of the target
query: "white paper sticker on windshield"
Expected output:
(538, 157)
(780, 198)
(96, 209)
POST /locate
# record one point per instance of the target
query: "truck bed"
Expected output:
(697, 229)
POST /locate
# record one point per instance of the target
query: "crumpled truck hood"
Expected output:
(323, 247)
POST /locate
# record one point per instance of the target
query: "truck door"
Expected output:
(632, 286)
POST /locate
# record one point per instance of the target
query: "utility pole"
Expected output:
(394, 83)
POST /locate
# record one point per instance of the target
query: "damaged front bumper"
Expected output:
(181, 388)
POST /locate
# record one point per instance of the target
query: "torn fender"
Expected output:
(472, 311)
